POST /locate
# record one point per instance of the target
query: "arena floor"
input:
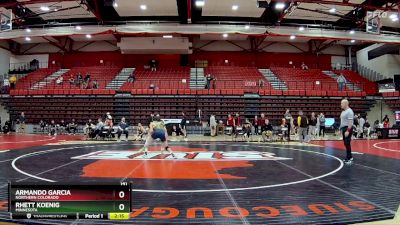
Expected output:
(253, 183)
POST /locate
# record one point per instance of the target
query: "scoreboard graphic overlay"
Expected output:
(70, 201)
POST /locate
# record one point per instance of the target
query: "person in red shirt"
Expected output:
(255, 124)
(238, 122)
(230, 123)
(261, 122)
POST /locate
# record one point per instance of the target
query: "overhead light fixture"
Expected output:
(143, 7)
(352, 32)
(235, 7)
(280, 5)
(301, 28)
(78, 27)
(292, 37)
(28, 39)
(167, 36)
(352, 41)
(88, 36)
(247, 27)
(28, 30)
(199, 3)
(332, 10)
(44, 8)
(225, 35)
(115, 4)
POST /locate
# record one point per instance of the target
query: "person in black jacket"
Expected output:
(123, 129)
(182, 125)
(42, 126)
(7, 127)
(151, 119)
(302, 123)
(52, 128)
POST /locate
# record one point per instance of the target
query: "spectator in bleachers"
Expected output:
(72, 127)
(341, 80)
(140, 132)
(302, 123)
(152, 87)
(95, 84)
(62, 127)
(60, 80)
(321, 125)
(289, 120)
(255, 124)
(71, 80)
(151, 118)
(131, 78)
(213, 125)
(209, 79)
(123, 129)
(42, 126)
(87, 78)
(304, 66)
(386, 122)
(88, 127)
(98, 128)
(79, 79)
(230, 123)
(13, 81)
(261, 122)
(153, 65)
(247, 129)
(52, 128)
(261, 83)
(108, 125)
(267, 134)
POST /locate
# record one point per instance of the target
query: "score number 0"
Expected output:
(121, 195)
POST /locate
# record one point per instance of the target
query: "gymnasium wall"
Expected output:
(387, 65)
(263, 59)
(90, 53)
(20, 60)
(4, 61)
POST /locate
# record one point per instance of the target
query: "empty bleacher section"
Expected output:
(31, 79)
(234, 77)
(163, 78)
(298, 79)
(368, 86)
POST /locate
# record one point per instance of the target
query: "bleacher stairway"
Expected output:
(197, 80)
(349, 84)
(275, 82)
(49, 79)
(120, 79)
